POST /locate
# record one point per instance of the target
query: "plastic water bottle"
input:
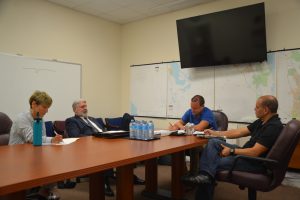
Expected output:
(138, 130)
(145, 131)
(135, 129)
(151, 130)
(37, 130)
(189, 128)
(132, 129)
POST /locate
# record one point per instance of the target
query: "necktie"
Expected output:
(93, 125)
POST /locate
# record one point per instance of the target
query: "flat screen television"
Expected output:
(227, 37)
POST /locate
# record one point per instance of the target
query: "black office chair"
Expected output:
(60, 127)
(5, 126)
(119, 123)
(49, 129)
(221, 120)
(276, 163)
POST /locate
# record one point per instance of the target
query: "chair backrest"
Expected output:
(113, 123)
(283, 149)
(119, 123)
(126, 121)
(49, 129)
(5, 126)
(60, 127)
(221, 120)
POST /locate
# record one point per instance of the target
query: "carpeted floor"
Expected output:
(223, 191)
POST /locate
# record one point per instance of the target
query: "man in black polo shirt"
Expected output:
(218, 155)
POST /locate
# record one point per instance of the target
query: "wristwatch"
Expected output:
(232, 150)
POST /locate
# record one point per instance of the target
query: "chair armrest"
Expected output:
(269, 163)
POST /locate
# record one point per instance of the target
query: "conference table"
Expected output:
(25, 166)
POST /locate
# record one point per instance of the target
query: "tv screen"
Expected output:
(226, 37)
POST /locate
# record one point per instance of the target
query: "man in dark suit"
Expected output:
(82, 125)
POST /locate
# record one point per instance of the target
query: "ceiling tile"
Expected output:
(124, 11)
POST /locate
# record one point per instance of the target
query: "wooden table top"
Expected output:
(25, 166)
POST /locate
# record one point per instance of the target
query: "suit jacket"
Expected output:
(77, 127)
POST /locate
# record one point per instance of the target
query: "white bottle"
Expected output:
(151, 130)
(145, 130)
(132, 129)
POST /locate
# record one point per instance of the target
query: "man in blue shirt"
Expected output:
(201, 116)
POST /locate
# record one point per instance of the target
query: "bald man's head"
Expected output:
(270, 102)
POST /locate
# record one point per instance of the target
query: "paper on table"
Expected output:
(168, 132)
(67, 141)
(64, 142)
(181, 131)
(163, 132)
(198, 133)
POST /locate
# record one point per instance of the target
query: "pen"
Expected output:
(56, 134)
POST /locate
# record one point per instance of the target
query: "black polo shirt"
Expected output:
(264, 134)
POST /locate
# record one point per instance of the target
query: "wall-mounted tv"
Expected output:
(227, 37)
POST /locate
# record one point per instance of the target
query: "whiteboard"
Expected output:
(233, 89)
(148, 90)
(165, 90)
(20, 76)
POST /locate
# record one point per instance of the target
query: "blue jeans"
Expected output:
(211, 162)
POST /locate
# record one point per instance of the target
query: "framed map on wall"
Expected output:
(230, 88)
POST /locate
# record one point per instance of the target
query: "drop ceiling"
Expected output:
(125, 11)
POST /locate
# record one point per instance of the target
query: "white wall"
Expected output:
(38, 28)
(155, 39)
